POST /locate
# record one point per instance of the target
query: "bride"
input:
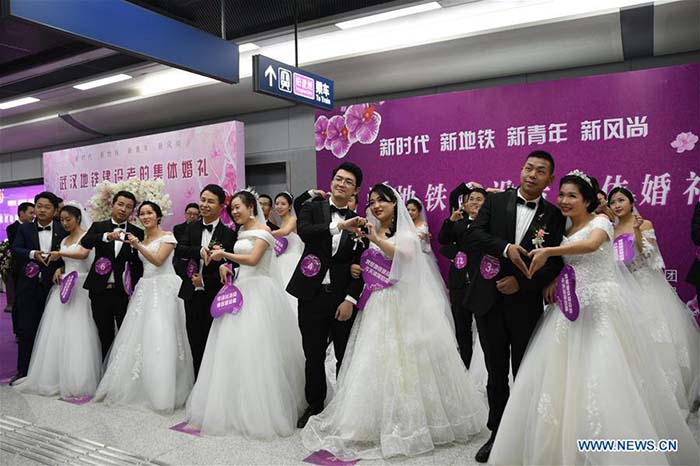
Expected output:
(288, 260)
(404, 388)
(595, 377)
(251, 381)
(150, 363)
(67, 359)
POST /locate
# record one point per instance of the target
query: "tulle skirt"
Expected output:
(288, 262)
(397, 394)
(594, 378)
(66, 359)
(251, 381)
(150, 362)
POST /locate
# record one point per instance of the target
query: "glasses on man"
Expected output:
(346, 181)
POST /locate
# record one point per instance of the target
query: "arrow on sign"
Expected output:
(270, 74)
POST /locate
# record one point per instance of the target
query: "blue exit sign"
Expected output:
(278, 79)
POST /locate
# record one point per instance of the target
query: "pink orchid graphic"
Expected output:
(363, 121)
(321, 132)
(338, 140)
(229, 181)
(684, 142)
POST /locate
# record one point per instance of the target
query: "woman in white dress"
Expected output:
(404, 388)
(594, 378)
(67, 359)
(251, 381)
(150, 362)
(667, 319)
(288, 260)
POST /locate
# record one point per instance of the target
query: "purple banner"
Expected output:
(376, 270)
(127, 280)
(635, 129)
(566, 293)
(10, 199)
(624, 248)
(281, 245)
(67, 284)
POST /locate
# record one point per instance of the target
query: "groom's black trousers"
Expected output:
(108, 306)
(319, 327)
(504, 330)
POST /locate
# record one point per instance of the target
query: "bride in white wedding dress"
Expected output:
(593, 378)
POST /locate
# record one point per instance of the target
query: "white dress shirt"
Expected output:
(523, 218)
(117, 247)
(206, 239)
(45, 239)
(336, 218)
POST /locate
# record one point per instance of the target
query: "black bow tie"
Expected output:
(209, 227)
(528, 204)
(118, 225)
(40, 228)
(344, 211)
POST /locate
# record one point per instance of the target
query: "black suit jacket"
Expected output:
(694, 273)
(301, 199)
(179, 230)
(26, 241)
(11, 235)
(189, 247)
(492, 230)
(450, 237)
(96, 283)
(313, 227)
(272, 226)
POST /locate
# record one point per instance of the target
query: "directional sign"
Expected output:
(278, 79)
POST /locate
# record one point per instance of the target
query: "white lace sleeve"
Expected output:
(604, 224)
(650, 250)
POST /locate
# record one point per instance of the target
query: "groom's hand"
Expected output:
(515, 254)
(344, 311)
(550, 292)
(508, 285)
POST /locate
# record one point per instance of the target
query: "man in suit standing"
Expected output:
(508, 305)
(200, 277)
(191, 215)
(694, 273)
(31, 248)
(108, 298)
(266, 204)
(25, 214)
(322, 282)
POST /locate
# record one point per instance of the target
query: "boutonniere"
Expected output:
(358, 239)
(214, 245)
(538, 240)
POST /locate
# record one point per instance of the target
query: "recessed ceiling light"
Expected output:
(18, 102)
(387, 15)
(102, 82)
(248, 47)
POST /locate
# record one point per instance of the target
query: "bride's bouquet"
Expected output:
(100, 204)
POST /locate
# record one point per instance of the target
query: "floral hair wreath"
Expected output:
(578, 173)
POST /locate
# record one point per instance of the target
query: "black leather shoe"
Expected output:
(310, 411)
(16, 377)
(482, 456)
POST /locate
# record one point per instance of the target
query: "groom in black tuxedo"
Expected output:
(108, 298)
(200, 287)
(508, 306)
(30, 250)
(322, 283)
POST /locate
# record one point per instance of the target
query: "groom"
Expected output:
(108, 298)
(507, 302)
(322, 282)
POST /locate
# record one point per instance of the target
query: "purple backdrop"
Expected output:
(10, 199)
(638, 129)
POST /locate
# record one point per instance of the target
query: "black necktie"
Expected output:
(40, 228)
(343, 211)
(209, 227)
(528, 204)
(119, 225)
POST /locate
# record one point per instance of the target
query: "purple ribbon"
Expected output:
(229, 299)
(566, 293)
(460, 260)
(281, 245)
(126, 279)
(624, 248)
(67, 284)
(376, 269)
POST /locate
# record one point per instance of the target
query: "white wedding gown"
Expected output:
(150, 362)
(287, 263)
(66, 359)
(401, 390)
(668, 322)
(593, 378)
(251, 381)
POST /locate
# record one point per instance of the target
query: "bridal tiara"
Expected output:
(580, 174)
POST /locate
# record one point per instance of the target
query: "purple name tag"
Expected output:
(31, 270)
(229, 299)
(376, 270)
(310, 265)
(192, 267)
(566, 293)
(460, 260)
(624, 248)
(489, 267)
(325, 458)
(67, 284)
(126, 280)
(103, 266)
(281, 245)
(695, 312)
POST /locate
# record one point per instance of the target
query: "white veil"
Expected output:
(85, 220)
(422, 295)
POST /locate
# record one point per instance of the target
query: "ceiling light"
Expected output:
(387, 15)
(171, 79)
(18, 102)
(248, 47)
(102, 82)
